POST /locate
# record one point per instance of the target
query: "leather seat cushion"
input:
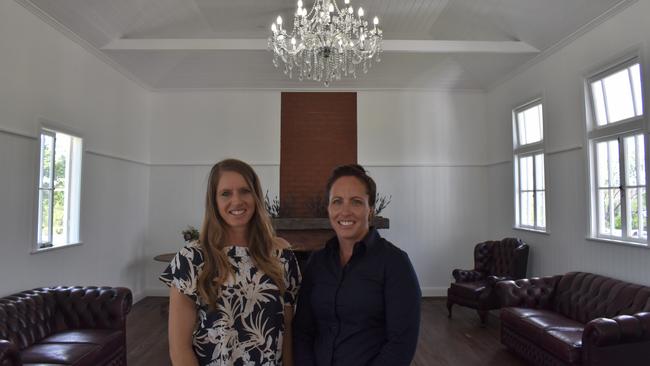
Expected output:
(533, 322)
(467, 290)
(60, 353)
(108, 340)
(565, 343)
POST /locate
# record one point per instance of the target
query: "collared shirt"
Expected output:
(364, 313)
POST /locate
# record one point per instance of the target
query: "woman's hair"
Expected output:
(357, 171)
(212, 239)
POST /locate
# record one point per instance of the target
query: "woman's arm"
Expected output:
(182, 318)
(287, 341)
(402, 303)
(304, 328)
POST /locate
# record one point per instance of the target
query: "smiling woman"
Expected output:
(360, 292)
(232, 292)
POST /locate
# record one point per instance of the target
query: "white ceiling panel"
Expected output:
(537, 24)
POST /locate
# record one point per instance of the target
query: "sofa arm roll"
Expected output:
(467, 275)
(9, 354)
(94, 307)
(602, 332)
(530, 293)
(492, 280)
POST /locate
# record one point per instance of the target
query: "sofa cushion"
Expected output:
(533, 322)
(467, 290)
(565, 343)
(109, 340)
(76, 354)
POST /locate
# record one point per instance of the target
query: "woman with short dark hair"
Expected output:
(359, 303)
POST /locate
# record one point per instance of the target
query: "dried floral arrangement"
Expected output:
(190, 234)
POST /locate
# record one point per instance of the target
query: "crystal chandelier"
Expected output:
(326, 43)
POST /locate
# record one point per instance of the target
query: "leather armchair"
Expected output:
(494, 261)
(65, 325)
(576, 319)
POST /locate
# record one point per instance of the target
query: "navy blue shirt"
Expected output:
(364, 313)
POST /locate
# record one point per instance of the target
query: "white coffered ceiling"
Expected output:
(221, 44)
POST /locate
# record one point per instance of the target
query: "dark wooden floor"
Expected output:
(443, 341)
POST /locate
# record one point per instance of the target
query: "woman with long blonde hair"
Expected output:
(233, 291)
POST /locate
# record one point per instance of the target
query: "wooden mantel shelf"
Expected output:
(319, 223)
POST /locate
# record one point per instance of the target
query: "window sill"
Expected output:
(618, 242)
(543, 232)
(40, 250)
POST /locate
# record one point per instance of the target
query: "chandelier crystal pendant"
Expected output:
(326, 43)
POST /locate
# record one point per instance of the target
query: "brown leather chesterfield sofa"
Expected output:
(494, 261)
(576, 319)
(65, 326)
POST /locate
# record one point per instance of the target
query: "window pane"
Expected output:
(44, 212)
(533, 124)
(541, 209)
(635, 70)
(521, 127)
(47, 147)
(609, 215)
(529, 123)
(61, 160)
(527, 209)
(614, 168)
(634, 160)
(636, 213)
(604, 224)
(601, 164)
(539, 172)
(599, 102)
(607, 164)
(615, 211)
(643, 214)
(526, 173)
(59, 223)
(618, 94)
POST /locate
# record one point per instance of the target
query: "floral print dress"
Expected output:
(247, 327)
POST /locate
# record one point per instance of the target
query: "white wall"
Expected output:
(44, 74)
(190, 132)
(426, 149)
(560, 79)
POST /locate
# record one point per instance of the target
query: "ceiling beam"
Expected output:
(392, 46)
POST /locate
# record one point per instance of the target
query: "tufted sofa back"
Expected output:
(29, 316)
(586, 296)
(504, 258)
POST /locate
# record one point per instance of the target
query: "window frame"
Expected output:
(612, 69)
(530, 149)
(73, 188)
(618, 130)
(623, 186)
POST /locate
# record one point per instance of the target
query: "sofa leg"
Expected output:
(483, 315)
(449, 305)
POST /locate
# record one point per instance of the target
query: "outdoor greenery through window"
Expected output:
(617, 153)
(59, 185)
(530, 189)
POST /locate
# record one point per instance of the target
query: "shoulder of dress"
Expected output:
(192, 248)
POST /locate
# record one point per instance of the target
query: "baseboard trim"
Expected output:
(138, 296)
(434, 291)
(164, 291)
